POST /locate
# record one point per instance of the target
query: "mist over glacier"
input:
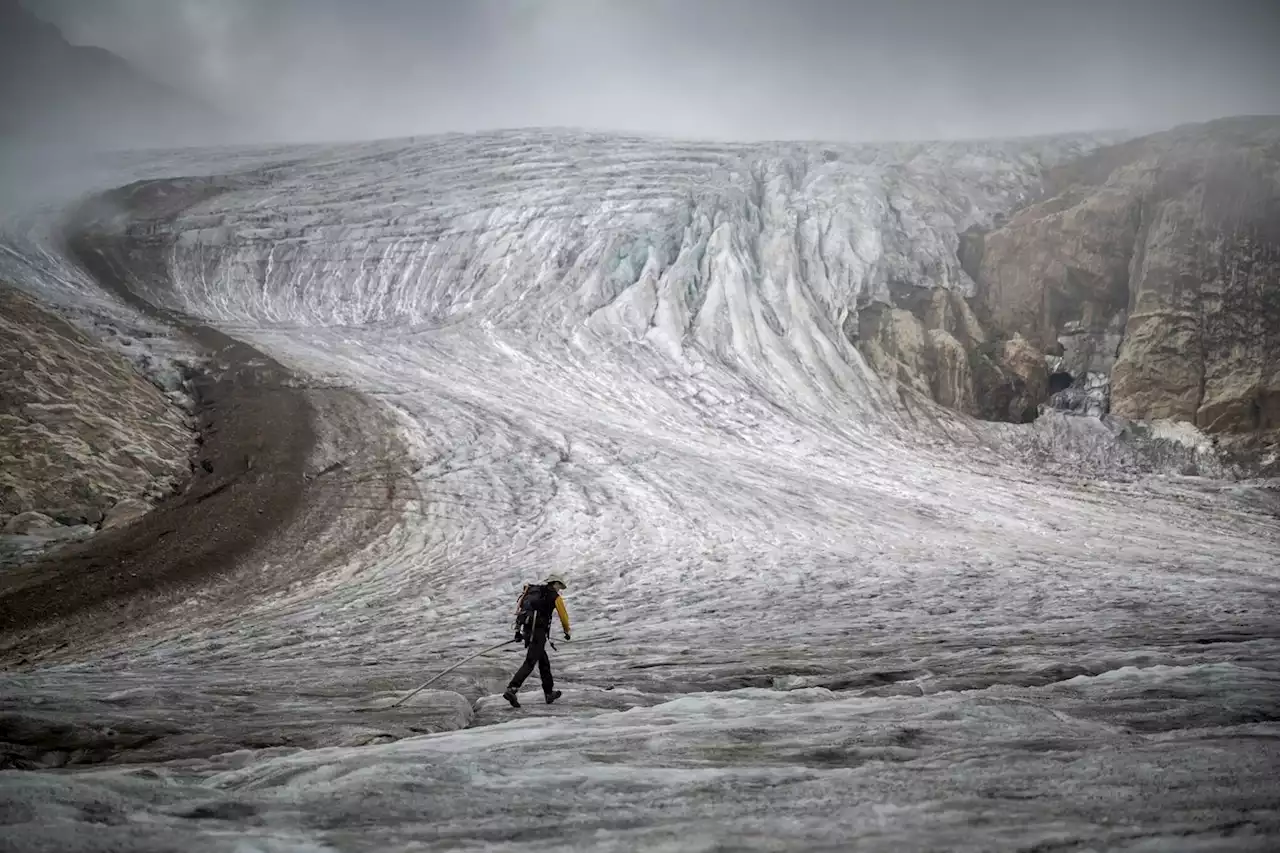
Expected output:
(809, 607)
(732, 69)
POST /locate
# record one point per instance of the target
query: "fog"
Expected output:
(729, 69)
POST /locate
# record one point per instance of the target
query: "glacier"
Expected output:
(811, 611)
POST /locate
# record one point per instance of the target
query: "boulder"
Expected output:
(64, 534)
(73, 516)
(25, 523)
(125, 512)
(1024, 361)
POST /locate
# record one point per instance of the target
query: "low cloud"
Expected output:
(744, 69)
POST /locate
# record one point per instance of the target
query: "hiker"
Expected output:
(533, 626)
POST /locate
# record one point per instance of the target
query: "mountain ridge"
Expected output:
(54, 93)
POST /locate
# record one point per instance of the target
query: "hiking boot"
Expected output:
(510, 696)
(553, 696)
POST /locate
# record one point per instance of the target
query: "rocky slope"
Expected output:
(1145, 283)
(85, 440)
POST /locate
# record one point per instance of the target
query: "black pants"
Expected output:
(537, 654)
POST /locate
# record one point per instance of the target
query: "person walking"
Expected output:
(533, 627)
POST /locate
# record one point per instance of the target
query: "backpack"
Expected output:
(533, 611)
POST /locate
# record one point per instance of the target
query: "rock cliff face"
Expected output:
(1145, 283)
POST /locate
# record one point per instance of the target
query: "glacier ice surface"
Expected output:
(821, 616)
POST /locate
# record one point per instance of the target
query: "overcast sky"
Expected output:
(730, 69)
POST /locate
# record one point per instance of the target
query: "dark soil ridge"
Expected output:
(256, 433)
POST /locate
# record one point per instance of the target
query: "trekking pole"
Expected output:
(573, 644)
(443, 672)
